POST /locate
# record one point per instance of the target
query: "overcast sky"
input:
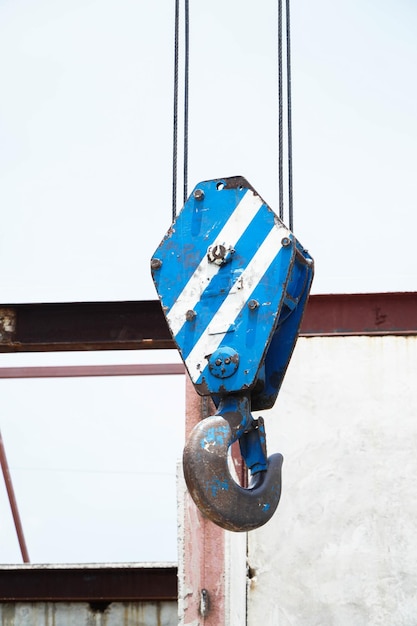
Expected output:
(85, 195)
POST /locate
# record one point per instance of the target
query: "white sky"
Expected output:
(85, 197)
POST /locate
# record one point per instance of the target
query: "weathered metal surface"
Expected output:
(212, 487)
(88, 583)
(82, 614)
(361, 314)
(7, 323)
(84, 326)
(207, 472)
(233, 284)
(228, 272)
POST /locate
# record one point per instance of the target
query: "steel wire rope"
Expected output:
(288, 112)
(289, 120)
(175, 103)
(280, 118)
(175, 111)
(186, 92)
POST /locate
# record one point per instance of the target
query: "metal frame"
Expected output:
(122, 582)
(142, 326)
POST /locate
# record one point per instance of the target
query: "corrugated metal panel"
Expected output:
(81, 614)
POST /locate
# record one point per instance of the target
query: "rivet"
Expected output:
(285, 242)
(190, 315)
(198, 194)
(253, 304)
(218, 362)
(156, 264)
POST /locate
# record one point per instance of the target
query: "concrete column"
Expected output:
(341, 548)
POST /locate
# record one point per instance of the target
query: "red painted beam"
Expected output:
(141, 325)
(88, 583)
(361, 314)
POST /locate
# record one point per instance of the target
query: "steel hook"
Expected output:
(207, 473)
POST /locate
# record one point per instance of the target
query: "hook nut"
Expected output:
(223, 362)
(253, 304)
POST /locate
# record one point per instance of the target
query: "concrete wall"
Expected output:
(82, 614)
(342, 547)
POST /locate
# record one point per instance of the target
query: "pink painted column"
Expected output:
(212, 561)
(203, 556)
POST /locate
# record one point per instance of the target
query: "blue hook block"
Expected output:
(233, 282)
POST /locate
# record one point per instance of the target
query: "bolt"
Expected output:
(190, 315)
(285, 242)
(218, 362)
(253, 304)
(156, 264)
(216, 254)
(204, 603)
(198, 194)
(227, 361)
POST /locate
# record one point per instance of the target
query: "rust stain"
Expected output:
(7, 324)
(380, 317)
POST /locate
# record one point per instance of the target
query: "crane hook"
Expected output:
(207, 473)
(233, 282)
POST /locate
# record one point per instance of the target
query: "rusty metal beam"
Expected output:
(361, 314)
(141, 325)
(69, 326)
(86, 583)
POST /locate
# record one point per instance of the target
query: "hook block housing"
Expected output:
(233, 282)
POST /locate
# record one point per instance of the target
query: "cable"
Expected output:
(289, 122)
(186, 93)
(280, 122)
(288, 112)
(175, 113)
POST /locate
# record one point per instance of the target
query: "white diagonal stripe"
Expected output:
(229, 235)
(235, 301)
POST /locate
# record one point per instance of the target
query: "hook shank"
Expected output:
(212, 487)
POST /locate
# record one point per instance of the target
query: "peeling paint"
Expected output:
(7, 324)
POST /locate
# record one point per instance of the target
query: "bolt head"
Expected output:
(156, 264)
(198, 194)
(216, 254)
(253, 304)
(285, 242)
(190, 315)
